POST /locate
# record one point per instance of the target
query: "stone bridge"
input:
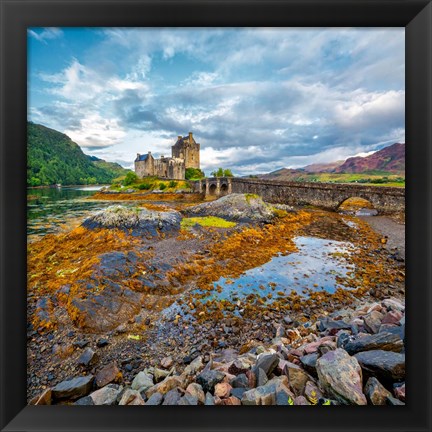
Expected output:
(324, 195)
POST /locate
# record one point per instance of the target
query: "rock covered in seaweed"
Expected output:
(136, 220)
(236, 207)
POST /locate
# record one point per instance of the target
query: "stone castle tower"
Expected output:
(185, 153)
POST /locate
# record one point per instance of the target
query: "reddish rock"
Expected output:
(372, 321)
(392, 317)
(301, 400)
(232, 400)
(222, 390)
(167, 362)
(108, 374)
(399, 392)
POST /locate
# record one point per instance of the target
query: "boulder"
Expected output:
(209, 378)
(106, 395)
(154, 399)
(312, 392)
(142, 382)
(73, 389)
(107, 374)
(44, 398)
(399, 392)
(222, 390)
(172, 397)
(372, 321)
(309, 362)
(393, 401)
(381, 341)
(264, 395)
(167, 362)
(375, 392)
(297, 377)
(267, 363)
(165, 386)
(340, 376)
(88, 358)
(196, 391)
(137, 221)
(188, 399)
(240, 381)
(385, 365)
(232, 400)
(392, 317)
(131, 397)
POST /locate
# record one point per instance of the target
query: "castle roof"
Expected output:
(141, 157)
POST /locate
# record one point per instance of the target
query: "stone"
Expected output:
(44, 398)
(267, 363)
(238, 392)
(232, 400)
(106, 395)
(381, 341)
(160, 374)
(372, 321)
(84, 401)
(297, 378)
(172, 397)
(102, 342)
(188, 399)
(399, 392)
(261, 377)
(393, 304)
(107, 374)
(88, 358)
(142, 382)
(309, 362)
(375, 392)
(385, 365)
(301, 400)
(312, 393)
(287, 319)
(73, 389)
(393, 401)
(196, 391)
(195, 366)
(165, 386)
(154, 399)
(222, 390)
(264, 395)
(392, 317)
(240, 381)
(239, 366)
(209, 378)
(329, 324)
(209, 399)
(343, 339)
(340, 376)
(167, 362)
(131, 397)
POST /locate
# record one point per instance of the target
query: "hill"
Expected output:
(390, 159)
(52, 157)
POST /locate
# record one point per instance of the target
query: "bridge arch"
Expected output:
(212, 189)
(224, 189)
(354, 204)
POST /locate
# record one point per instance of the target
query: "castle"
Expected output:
(185, 153)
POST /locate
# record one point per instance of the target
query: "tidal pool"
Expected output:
(315, 266)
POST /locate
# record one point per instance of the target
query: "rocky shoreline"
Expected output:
(97, 331)
(352, 357)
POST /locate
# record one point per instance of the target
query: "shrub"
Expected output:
(194, 174)
(130, 178)
(162, 186)
(144, 186)
(172, 184)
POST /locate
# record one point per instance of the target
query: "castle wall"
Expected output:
(145, 168)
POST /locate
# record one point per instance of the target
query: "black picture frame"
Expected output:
(17, 15)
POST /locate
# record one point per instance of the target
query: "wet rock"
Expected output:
(73, 389)
(142, 382)
(172, 397)
(107, 374)
(385, 365)
(399, 392)
(131, 397)
(137, 221)
(167, 362)
(102, 311)
(372, 321)
(297, 377)
(88, 358)
(165, 386)
(155, 399)
(106, 395)
(196, 391)
(44, 398)
(340, 376)
(375, 392)
(381, 341)
(209, 378)
(222, 390)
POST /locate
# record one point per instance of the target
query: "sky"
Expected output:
(256, 99)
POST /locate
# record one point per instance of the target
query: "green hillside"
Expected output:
(52, 157)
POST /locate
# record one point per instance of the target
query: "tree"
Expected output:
(220, 172)
(130, 178)
(194, 174)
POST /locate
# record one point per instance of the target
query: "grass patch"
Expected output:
(207, 221)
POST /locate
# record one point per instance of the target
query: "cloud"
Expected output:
(46, 34)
